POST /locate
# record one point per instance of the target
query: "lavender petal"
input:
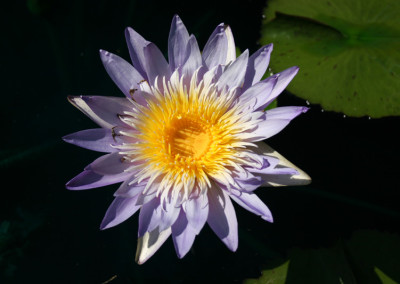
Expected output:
(233, 76)
(89, 179)
(212, 75)
(258, 95)
(193, 58)
(98, 139)
(136, 44)
(120, 210)
(197, 212)
(124, 75)
(253, 203)
(147, 212)
(156, 65)
(276, 120)
(215, 50)
(169, 214)
(177, 41)
(286, 112)
(284, 79)
(127, 190)
(109, 164)
(249, 184)
(183, 235)
(222, 217)
(104, 111)
(258, 64)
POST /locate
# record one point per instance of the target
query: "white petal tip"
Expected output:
(72, 99)
(301, 178)
(149, 243)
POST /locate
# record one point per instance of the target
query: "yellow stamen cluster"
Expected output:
(187, 137)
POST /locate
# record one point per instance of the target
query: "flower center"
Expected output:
(188, 138)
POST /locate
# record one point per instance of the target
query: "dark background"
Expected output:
(49, 50)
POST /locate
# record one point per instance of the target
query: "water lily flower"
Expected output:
(187, 137)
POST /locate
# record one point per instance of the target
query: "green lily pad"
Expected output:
(348, 52)
(368, 257)
(275, 275)
(374, 255)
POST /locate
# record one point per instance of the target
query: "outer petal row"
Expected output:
(215, 50)
(98, 139)
(136, 44)
(234, 74)
(105, 170)
(196, 211)
(260, 95)
(183, 235)
(222, 217)
(104, 111)
(89, 179)
(301, 178)
(258, 64)
(253, 203)
(275, 120)
(121, 72)
(119, 211)
(177, 41)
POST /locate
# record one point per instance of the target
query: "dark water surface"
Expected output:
(51, 235)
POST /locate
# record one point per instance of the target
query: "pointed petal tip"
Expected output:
(302, 109)
(232, 246)
(228, 32)
(176, 18)
(268, 218)
(103, 226)
(75, 100)
(104, 54)
(138, 261)
(181, 254)
(304, 178)
(268, 48)
(301, 179)
(128, 30)
(72, 99)
(149, 243)
(69, 186)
